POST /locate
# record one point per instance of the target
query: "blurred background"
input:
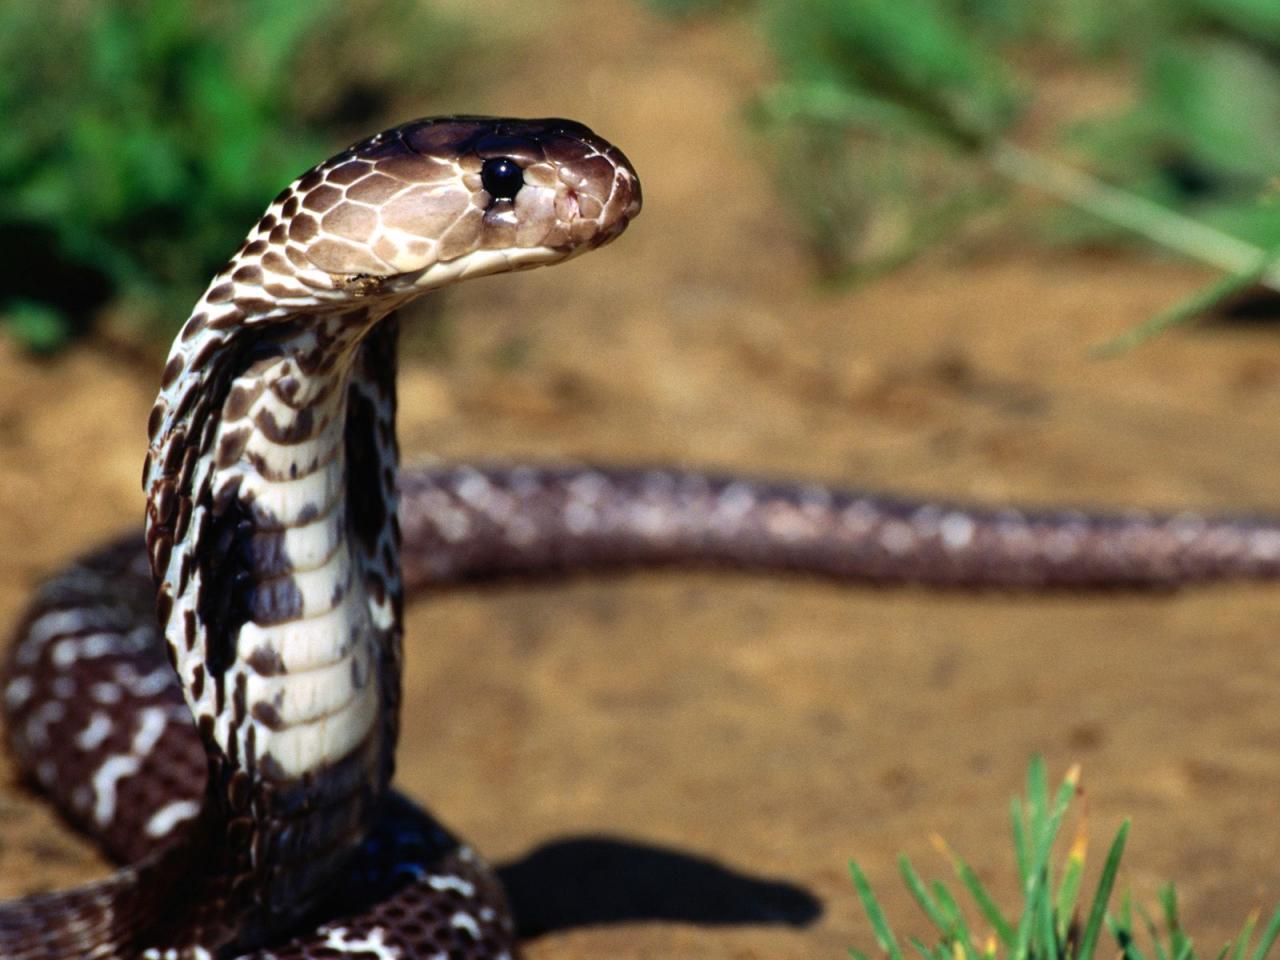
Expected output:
(912, 245)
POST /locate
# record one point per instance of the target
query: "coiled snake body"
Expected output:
(244, 782)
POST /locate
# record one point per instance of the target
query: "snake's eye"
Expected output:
(502, 178)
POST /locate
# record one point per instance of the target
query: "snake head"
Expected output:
(437, 200)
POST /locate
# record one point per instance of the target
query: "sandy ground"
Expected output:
(774, 727)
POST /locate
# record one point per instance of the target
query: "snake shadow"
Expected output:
(597, 880)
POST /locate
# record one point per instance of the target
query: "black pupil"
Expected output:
(503, 178)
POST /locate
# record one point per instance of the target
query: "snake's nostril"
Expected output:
(568, 209)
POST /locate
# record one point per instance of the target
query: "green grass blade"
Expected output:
(959, 931)
(1045, 933)
(1125, 918)
(1047, 820)
(1246, 934)
(922, 896)
(1022, 940)
(1178, 940)
(1035, 891)
(1102, 897)
(990, 912)
(1072, 874)
(1268, 937)
(1154, 221)
(1122, 931)
(1070, 785)
(1153, 932)
(884, 936)
(1042, 825)
(1037, 794)
(1017, 820)
(1120, 927)
(1186, 310)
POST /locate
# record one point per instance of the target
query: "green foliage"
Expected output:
(142, 136)
(1258, 20)
(1091, 28)
(1050, 925)
(39, 327)
(1202, 139)
(1205, 135)
(871, 127)
(889, 124)
(878, 103)
(1218, 102)
(912, 54)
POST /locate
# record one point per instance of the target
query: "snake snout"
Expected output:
(599, 193)
(628, 200)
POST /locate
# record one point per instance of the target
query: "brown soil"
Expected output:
(778, 727)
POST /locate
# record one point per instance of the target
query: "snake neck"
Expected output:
(276, 551)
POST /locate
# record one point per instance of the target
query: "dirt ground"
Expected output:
(775, 727)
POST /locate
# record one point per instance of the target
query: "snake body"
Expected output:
(235, 751)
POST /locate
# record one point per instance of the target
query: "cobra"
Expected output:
(235, 751)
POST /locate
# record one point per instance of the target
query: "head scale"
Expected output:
(436, 200)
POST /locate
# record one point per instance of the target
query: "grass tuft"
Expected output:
(893, 123)
(1050, 924)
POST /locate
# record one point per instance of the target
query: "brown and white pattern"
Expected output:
(272, 539)
(469, 522)
(236, 754)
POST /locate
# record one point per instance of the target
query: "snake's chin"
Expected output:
(480, 264)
